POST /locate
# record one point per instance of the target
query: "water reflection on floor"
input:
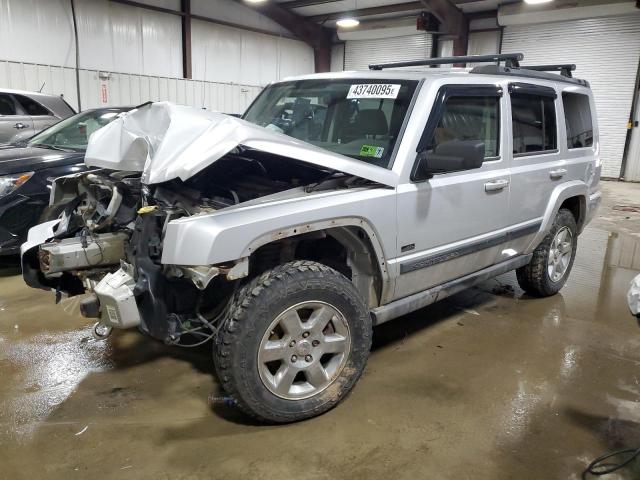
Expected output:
(487, 384)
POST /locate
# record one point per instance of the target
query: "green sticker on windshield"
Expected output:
(371, 151)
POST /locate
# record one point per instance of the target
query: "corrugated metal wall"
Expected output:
(606, 51)
(230, 65)
(358, 54)
(100, 88)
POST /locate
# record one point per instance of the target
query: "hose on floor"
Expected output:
(598, 467)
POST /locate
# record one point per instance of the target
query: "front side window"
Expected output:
(534, 123)
(577, 116)
(358, 118)
(469, 118)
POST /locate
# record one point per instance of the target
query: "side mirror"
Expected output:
(452, 156)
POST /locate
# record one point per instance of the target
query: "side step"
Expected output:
(422, 299)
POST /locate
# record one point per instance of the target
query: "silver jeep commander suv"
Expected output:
(339, 201)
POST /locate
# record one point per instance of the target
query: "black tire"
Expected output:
(252, 312)
(534, 277)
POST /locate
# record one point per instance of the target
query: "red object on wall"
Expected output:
(103, 93)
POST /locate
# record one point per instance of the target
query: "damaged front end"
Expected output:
(109, 238)
(158, 164)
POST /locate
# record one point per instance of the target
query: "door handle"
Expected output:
(495, 185)
(559, 173)
(19, 126)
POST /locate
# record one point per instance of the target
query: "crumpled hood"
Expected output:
(166, 141)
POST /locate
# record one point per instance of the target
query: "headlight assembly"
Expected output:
(9, 183)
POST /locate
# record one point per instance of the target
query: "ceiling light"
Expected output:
(254, 1)
(348, 22)
(536, 2)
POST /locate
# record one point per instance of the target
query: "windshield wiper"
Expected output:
(53, 147)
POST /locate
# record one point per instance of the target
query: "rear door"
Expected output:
(41, 117)
(537, 166)
(15, 125)
(453, 224)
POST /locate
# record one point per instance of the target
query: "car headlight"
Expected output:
(9, 183)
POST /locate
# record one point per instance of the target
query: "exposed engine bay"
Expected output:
(109, 238)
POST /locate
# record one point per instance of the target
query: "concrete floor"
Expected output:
(487, 384)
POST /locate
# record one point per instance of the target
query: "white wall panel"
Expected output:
(237, 13)
(127, 39)
(230, 55)
(295, 58)
(37, 31)
(101, 89)
(606, 52)
(24, 76)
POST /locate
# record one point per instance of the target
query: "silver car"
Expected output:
(340, 201)
(23, 114)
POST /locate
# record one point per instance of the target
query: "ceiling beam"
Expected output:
(314, 35)
(365, 12)
(305, 3)
(454, 22)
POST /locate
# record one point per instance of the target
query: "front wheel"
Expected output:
(549, 268)
(296, 341)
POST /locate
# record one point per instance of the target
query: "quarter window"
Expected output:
(469, 118)
(534, 123)
(577, 117)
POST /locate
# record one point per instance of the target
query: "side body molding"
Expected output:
(575, 188)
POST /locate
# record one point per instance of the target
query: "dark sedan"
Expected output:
(26, 170)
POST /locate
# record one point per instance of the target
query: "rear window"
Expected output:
(577, 117)
(31, 107)
(534, 123)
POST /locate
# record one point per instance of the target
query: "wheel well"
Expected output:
(346, 249)
(576, 205)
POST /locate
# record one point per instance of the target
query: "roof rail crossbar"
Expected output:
(565, 69)
(510, 60)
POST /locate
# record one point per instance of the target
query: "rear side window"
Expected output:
(470, 118)
(7, 107)
(534, 123)
(577, 117)
(31, 107)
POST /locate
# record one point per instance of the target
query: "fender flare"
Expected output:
(575, 188)
(299, 229)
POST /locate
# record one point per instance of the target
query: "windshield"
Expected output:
(354, 117)
(73, 133)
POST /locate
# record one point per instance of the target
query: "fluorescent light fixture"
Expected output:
(254, 1)
(536, 2)
(348, 22)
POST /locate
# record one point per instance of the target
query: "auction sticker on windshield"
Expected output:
(374, 90)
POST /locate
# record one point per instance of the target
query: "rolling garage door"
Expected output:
(358, 54)
(606, 52)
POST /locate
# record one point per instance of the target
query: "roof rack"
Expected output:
(511, 60)
(565, 69)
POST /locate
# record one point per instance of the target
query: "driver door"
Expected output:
(455, 223)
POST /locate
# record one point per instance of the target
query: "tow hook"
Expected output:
(101, 331)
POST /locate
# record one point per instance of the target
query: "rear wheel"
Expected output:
(553, 259)
(296, 341)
